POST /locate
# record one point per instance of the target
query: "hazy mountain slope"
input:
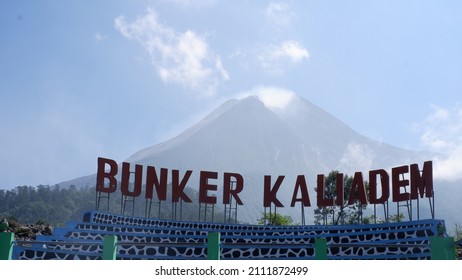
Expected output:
(249, 138)
(241, 136)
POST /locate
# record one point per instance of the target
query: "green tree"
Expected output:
(457, 232)
(50, 205)
(275, 219)
(55, 205)
(340, 214)
(396, 218)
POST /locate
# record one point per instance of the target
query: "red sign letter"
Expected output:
(339, 181)
(422, 184)
(228, 192)
(301, 185)
(397, 183)
(109, 175)
(384, 181)
(358, 191)
(178, 187)
(269, 194)
(125, 181)
(322, 202)
(160, 185)
(204, 187)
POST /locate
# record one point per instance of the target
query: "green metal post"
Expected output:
(6, 245)
(320, 249)
(213, 246)
(442, 248)
(110, 247)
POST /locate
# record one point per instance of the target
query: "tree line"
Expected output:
(46, 204)
(55, 205)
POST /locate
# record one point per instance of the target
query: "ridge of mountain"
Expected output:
(242, 135)
(247, 137)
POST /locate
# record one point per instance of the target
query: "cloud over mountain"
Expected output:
(276, 58)
(442, 134)
(182, 58)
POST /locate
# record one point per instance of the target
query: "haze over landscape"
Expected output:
(255, 138)
(286, 87)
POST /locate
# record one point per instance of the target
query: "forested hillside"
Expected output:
(55, 205)
(45, 204)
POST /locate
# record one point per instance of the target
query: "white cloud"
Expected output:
(442, 133)
(180, 58)
(100, 37)
(274, 98)
(221, 69)
(291, 50)
(280, 13)
(442, 129)
(277, 58)
(356, 157)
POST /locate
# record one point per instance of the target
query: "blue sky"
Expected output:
(80, 80)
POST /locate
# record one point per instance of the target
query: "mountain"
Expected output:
(246, 136)
(254, 139)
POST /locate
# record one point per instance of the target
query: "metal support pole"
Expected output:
(320, 249)
(213, 246)
(6, 245)
(110, 247)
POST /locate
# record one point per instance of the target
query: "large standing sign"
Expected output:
(420, 182)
